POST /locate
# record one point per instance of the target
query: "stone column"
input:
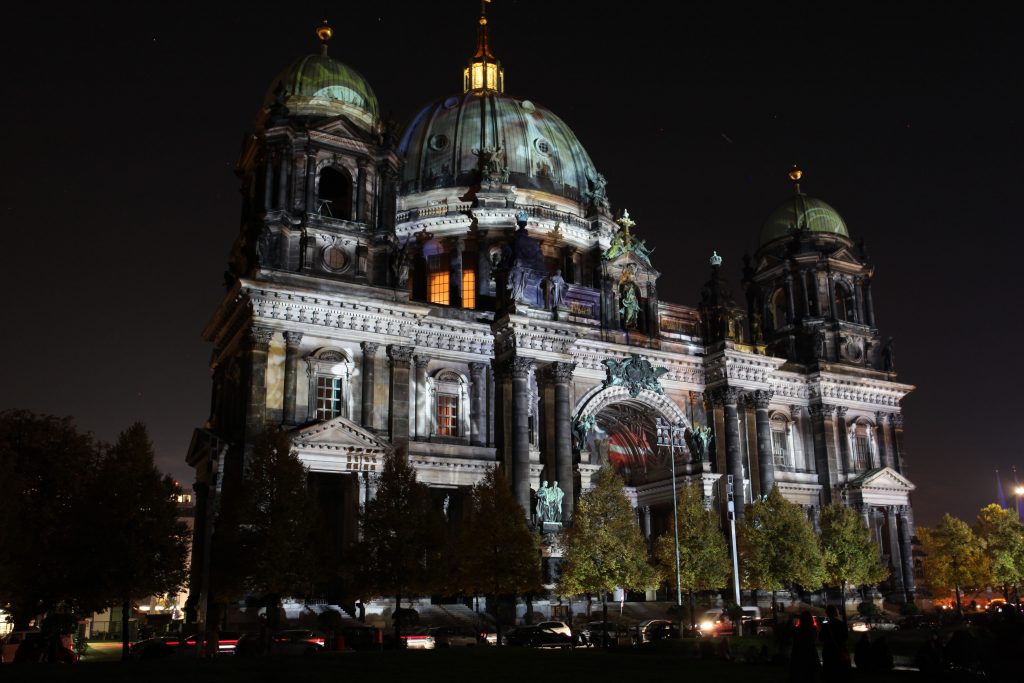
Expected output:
(765, 462)
(283, 174)
(906, 529)
(359, 214)
(858, 302)
(369, 361)
(882, 440)
(842, 429)
(483, 266)
(521, 368)
(899, 455)
(894, 550)
(291, 372)
(256, 413)
(477, 412)
(398, 403)
(455, 274)
(561, 375)
(729, 397)
(268, 181)
(807, 293)
(422, 407)
(311, 181)
(790, 302)
(823, 434)
(869, 304)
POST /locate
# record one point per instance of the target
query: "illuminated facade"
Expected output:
(464, 293)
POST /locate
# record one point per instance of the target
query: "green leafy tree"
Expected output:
(778, 546)
(48, 528)
(954, 558)
(144, 546)
(499, 554)
(605, 548)
(277, 522)
(850, 556)
(703, 553)
(402, 534)
(1003, 535)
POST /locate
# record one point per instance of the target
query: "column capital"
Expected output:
(259, 337)
(399, 354)
(476, 370)
(794, 412)
(520, 367)
(761, 398)
(292, 339)
(897, 420)
(560, 372)
(369, 348)
(821, 410)
(726, 396)
(421, 361)
(882, 417)
(841, 411)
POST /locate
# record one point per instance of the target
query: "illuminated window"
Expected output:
(469, 289)
(861, 447)
(447, 415)
(328, 397)
(439, 283)
(478, 75)
(780, 442)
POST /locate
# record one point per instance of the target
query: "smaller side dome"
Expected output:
(799, 213)
(322, 87)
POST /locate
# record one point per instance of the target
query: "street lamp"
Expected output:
(730, 493)
(671, 436)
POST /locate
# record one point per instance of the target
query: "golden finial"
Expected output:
(796, 174)
(324, 32)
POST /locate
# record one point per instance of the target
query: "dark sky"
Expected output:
(121, 128)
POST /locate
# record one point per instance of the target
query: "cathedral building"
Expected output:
(462, 291)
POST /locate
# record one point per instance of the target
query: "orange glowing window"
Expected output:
(438, 287)
(469, 289)
(447, 415)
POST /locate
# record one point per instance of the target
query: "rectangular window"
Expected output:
(469, 289)
(438, 280)
(447, 415)
(862, 451)
(328, 397)
(779, 448)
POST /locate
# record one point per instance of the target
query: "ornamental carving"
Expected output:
(521, 367)
(260, 337)
(421, 362)
(821, 410)
(881, 418)
(476, 370)
(400, 354)
(897, 420)
(369, 348)
(561, 372)
(761, 398)
(292, 339)
(635, 373)
(581, 427)
(726, 396)
(841, 411)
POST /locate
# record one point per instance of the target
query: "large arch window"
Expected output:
(845, 304)
(861, 444)
(782, 449)
(334, 198)
(449, 393)
(330, 372)
(777, 309)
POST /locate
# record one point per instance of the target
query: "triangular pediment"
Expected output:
(339, 434)
(844, 254)
(623, 261)
(882, 478)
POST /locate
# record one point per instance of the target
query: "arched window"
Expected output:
(782, 453)
(845, 304)
(334, 198)
(861, 444)
(450, 391)
(777, 309)
(329, 387)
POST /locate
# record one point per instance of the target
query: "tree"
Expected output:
(401, 534)
(953, 557)
(277, 519)
(500, 556)
(48, 528)
(605, 549)
(144, 545)
(850, 556)
(1003, 535)
(778, 546)
(703, 553)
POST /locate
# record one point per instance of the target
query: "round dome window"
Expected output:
(334, 258)
(528, 105)
(438, 142)
(543, 146)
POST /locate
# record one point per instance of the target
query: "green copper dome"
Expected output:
(801, 212)
(320, 86)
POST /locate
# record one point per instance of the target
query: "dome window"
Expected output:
(439, 142)
(543, 146)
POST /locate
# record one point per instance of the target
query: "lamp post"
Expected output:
(1019, 490)
(671, 435)
(735, 556)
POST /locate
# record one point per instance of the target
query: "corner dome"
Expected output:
(322, 87)
(800, 213)
(540, 151)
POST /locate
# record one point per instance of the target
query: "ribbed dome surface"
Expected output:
(801, 212)
(541, 152)
(320, 86)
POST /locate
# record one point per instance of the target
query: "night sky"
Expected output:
(121, 128)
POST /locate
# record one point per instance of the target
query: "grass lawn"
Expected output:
(487, 665)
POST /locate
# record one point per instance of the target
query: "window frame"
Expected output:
(329, 363)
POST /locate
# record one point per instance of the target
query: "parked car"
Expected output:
(872, 623)
(557, 627)
(418, 638)
(35, 649)
(595, 633)
(227, 641)
(715, 622)
(654, 630)
(156, 648)
(538, 636)
(453, 636)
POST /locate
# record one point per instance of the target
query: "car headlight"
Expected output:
(706, 626)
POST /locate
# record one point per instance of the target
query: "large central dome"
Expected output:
(540, 151)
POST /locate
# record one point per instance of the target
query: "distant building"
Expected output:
(461, 290)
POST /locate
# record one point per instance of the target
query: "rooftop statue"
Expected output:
(623, 242)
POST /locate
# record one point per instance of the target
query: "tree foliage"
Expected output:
(953, 557)
(778, 546)
(499, 554)
(850, 556)
(1003, 535)
(277, 519)
(402, 533)
(703, 553)
(605, 549)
